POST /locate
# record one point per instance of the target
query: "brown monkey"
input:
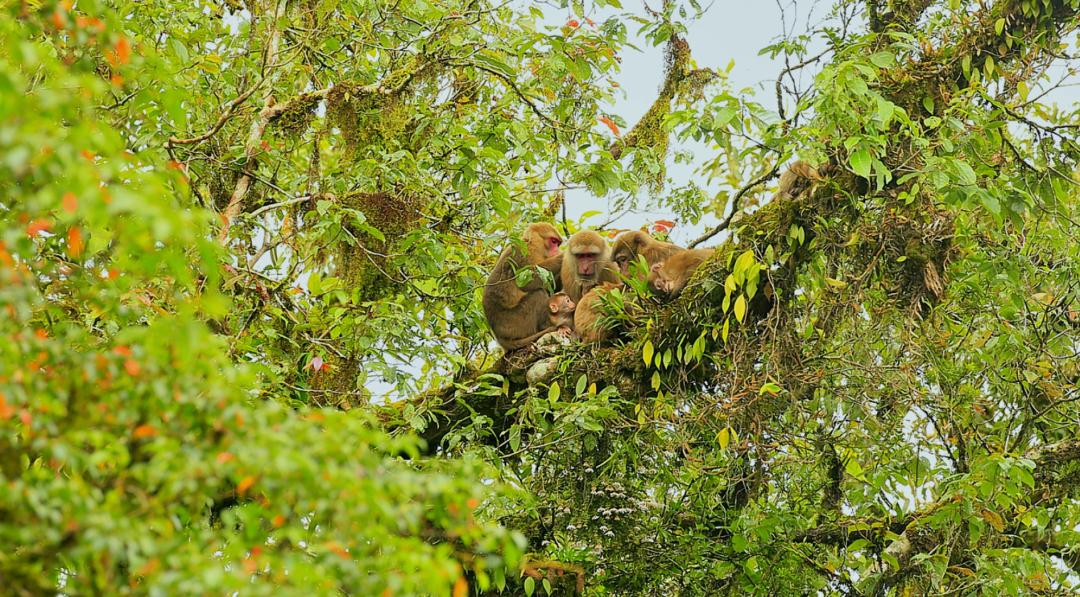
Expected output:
(797, 178)
(561, 312)
(671, 275)
(631, 244)
(586, 263)
(518, 315)
(587, 315)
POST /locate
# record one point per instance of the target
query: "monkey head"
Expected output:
(588, 250)
(543, 241)
(561, 302)
(627, 247)
(658, 280)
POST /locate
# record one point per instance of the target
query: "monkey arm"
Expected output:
(509, 345)
(554, 265)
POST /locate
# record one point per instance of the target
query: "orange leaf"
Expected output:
(224, 457)
(339, 550)
(120, 54)
(86, 153)
(278, 521)
(573, 24)
(74, 241)
(132, 367)
(250, 566)
(472, 503)
(461, 587)
(610, 124)
(58, 20)
(122, 350)
(70, 202)
(149, 567)
(5, 410)
(144, 431)
(25, 417)
(244, 485)
(37, 226)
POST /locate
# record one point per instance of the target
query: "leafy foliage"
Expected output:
(242, 247)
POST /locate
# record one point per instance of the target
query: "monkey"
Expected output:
(587, 315)
(798, 177)
(562, 311)
(517, 315)
(631, 244)
(671, 275)
(586, 263)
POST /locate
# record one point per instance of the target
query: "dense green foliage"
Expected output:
(242, 247)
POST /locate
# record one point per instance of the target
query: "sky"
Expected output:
(729, 31)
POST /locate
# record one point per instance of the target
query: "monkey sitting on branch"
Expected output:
(518, 315)
(670, 276)
(629, 245)
(586, 263)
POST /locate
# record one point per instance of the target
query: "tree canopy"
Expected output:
(243, 244)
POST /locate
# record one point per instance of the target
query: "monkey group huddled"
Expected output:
(519, 313)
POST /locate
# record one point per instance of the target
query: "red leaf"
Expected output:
(610, 124)
(38, 226)
(74, 241)
(244, 485)
(143, 431)
(70, 202)
(132, 367)
(461, 587)
(573, 24)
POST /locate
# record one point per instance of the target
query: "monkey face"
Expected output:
(561, 302)
(552, 244)
(586, 262)
(657, 280)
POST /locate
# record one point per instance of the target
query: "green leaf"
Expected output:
(582, 383)
(860, 161)
(647, 352)
(515, 437)
(999, 26)
(770, 388)
(740, 308)
(530, 585)
(553, 392)
(853, 468)
(882, 59)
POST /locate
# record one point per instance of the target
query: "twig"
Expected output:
(229, 109)
(735, 206)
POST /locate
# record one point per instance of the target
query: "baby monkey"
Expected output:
(562, 307)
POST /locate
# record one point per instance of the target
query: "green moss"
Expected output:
(297, 116)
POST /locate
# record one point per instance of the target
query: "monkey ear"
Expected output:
(656, 266)
(553, 306)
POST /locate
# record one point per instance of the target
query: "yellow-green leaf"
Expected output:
(724, 438)
(553, 392)
(740, 308)
(647, 352)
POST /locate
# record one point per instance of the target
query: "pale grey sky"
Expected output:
(729, 31)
